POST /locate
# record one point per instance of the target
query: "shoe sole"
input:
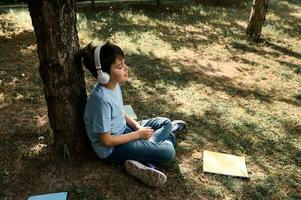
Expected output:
(147, 175)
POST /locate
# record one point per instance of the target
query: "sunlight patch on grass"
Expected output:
(284, 6)
(41, 120)
(4, 100)
(216, 50)
(238, 122)
(14, 22)
(139, 89)
(36, 149)
(296, 46)
(22, 18)
(86, 26)
(242, 23)
(139, 43)
(189, 100)
(280, 24)
(272, 31)
(296, 14)
(137, 18)
(29, 50)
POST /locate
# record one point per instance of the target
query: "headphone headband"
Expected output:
(96, 58)
(102, 77)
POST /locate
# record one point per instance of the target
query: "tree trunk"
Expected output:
(257, 18)
(93, 5)
(54, 23)
(158, 3)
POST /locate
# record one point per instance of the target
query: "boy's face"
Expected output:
(119, 71)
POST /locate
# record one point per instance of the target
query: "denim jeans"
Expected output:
(158, 149)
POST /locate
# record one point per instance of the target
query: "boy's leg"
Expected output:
(162, 129)
(156, 123)
(143, 151)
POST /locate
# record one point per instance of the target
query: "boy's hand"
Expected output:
(145, 132)
(138, 126)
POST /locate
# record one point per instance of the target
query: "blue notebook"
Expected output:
(130, 111)
(50, 196)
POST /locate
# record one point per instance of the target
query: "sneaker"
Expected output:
(178, 126)
(147, 175)
(151, 165)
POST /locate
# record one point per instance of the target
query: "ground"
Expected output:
(190, 62)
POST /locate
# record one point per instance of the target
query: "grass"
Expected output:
(192, 63)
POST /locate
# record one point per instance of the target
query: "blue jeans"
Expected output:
(159, 149)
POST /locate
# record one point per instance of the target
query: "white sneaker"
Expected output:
(147, 175)
(178, 126)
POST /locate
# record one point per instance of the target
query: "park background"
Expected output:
(188, 60)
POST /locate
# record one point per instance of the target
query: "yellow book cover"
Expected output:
(226, 164)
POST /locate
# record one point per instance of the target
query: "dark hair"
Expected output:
(108, 54)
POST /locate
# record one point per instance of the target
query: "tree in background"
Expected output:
(257, 18)
(54, 23)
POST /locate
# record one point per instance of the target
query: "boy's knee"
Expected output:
(165, 122)
(168, 154)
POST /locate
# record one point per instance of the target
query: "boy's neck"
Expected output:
(111, 85)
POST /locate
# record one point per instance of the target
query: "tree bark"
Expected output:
(93, 5)
(257, 18)
(54, 23)
(158, 3)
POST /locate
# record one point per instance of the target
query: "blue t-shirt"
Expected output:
(104, 113)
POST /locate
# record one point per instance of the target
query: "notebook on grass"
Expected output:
(50, 196)
(226, 164)
(130, 112)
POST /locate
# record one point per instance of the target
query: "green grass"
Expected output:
(190, 62)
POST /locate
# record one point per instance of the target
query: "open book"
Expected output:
(131, 113)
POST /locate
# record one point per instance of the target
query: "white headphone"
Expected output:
(102, 77)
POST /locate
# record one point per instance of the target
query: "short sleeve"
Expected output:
(99, 115)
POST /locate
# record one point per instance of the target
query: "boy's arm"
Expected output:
(108, 140)
(132, 123)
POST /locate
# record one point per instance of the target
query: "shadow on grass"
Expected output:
(19, 71)
(283, 50)
(278, 50)
(221, 21)
(236, 137)
(38, 173)
(296, 68)
(21, 109)
(152, 70)
(171, 26)
(242, 48)
(283, 10)
(253, 142)
(243, 137)
(271, 188)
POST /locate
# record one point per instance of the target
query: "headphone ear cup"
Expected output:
(106, 77)
(103, 77)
